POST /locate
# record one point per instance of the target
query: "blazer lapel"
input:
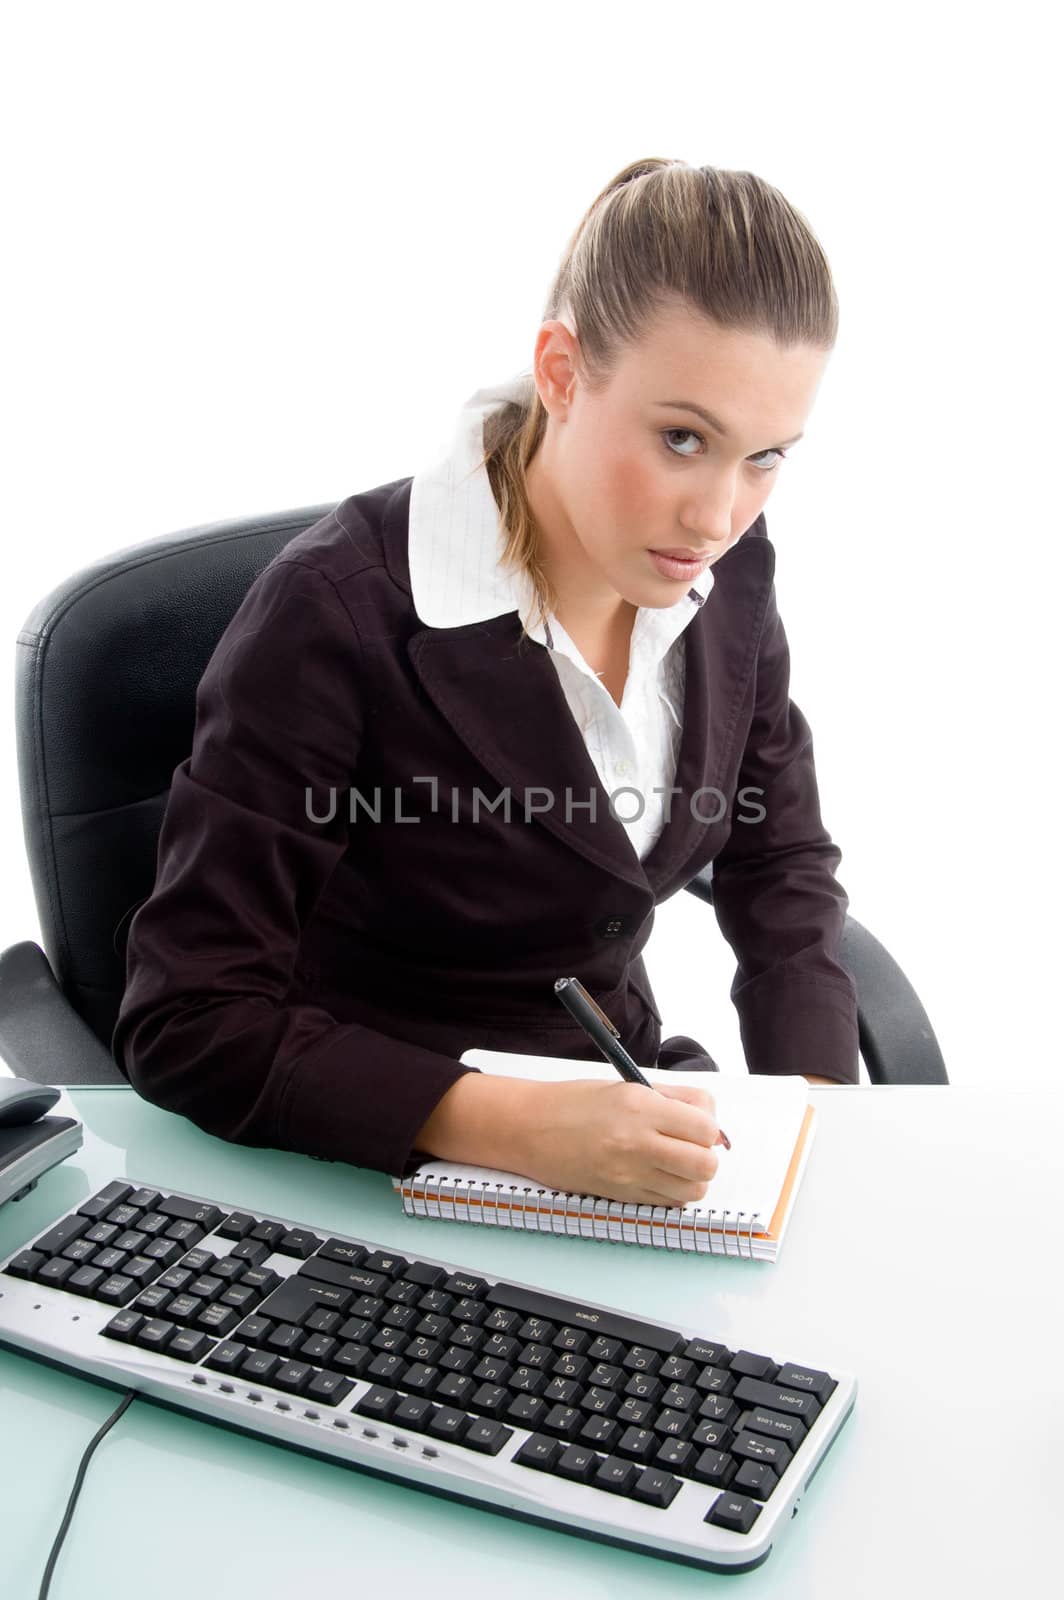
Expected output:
(503, 699)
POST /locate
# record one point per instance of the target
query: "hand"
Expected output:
(622, 1140)
(811, 1077)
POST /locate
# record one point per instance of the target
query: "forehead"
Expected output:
(746, 379)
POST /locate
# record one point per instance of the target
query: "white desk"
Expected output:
(946, 1481)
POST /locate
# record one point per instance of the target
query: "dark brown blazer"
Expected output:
(306, 981)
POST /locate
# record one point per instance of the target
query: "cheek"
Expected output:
(634, 490)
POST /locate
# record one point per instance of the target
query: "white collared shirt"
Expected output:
(456, 540)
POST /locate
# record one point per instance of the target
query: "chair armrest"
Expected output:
(896, 1039)
(41, 1035)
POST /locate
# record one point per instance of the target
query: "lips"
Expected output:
(682, 555)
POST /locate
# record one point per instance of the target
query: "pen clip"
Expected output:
(597, 1009)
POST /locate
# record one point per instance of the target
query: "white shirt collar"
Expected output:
(456, 538)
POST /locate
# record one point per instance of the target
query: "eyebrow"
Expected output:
(715, 423)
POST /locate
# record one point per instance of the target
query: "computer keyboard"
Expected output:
(589, 1418)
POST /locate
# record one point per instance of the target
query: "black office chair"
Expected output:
(106, 674)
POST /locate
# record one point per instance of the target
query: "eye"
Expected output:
(690, 434)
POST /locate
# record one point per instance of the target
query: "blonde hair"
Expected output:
(726, 244)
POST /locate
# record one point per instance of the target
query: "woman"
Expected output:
(347, 896)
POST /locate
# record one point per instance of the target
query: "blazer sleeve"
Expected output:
(775, 893)
(204, 1028)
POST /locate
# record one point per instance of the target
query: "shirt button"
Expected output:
(624, 768)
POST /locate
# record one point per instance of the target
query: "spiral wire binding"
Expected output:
(649, 1230)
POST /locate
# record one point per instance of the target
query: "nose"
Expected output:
(708, 520)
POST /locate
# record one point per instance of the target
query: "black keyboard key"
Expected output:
(123, 1216)
(677, 1455)
(187, 1233)
(377, 1402)
(449, 1423)
(188, 1345)
(207, 1216)
(414, 1411)
(109, 1259)
(387, 1369)
(713, 1466)
(123, 1325)
(319, 1349)
(536, 1330)
(350, 1255)
(216, 1319)
(292, 1376)
(255, 1330)
(155, 1333)
(715, 1380)
(328, 1388)
(791, 1429)
(237, 1225)
(643, 1387)
(486, 1436)
(144, 1198)
(754, 1447)
(490, 1400)
(227, 1357)
(806, 1380)
(71, 1228)
(116, 1290)
(635, 1413)
(297, 1242)
(712, 1436)
(602, 1432)
(26, 1264)
(539, 1452)
(462, 1283)
(259, 1366)
(101, 1203)
(142, 1269)
(86, 1280)
(571, 1313)
(733, 1511)
(571, 1339)
(78, 1250)
(707, 1354)
(616, 1475)
(383, 1261)
(754, 1478)
(638, 1444)
(656, 1488)
(674, 1424)
(184, 1308)
(253, 1251)
(561, 1391)
(720, 1407)
(602, 1349)
(270, 1233)
(565, 1422)
(752, 1392)
(352, 1359)
(680, 1397)
(297, 1297)
(745, 1364)
(527, 1411)
(578, 1462)
(152, 1299)
(456, 1387)
(359, 1280)
(164, 1251)
(421, 1379)
(131, 1240)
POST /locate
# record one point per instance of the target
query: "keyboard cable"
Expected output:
(78, 1481)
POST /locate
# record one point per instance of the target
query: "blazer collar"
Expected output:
(501, 695)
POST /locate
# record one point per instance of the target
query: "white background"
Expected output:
(256, 256)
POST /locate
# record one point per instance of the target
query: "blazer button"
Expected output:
(613, 927)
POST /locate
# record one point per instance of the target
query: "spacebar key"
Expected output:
(572, 1314)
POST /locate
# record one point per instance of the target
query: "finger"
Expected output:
(686, 1160)
(683, 1113)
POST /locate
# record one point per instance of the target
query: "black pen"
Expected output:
(598, 1027)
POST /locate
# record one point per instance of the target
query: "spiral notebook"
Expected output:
(747, 1206)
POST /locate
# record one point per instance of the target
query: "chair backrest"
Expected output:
(106, 672)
